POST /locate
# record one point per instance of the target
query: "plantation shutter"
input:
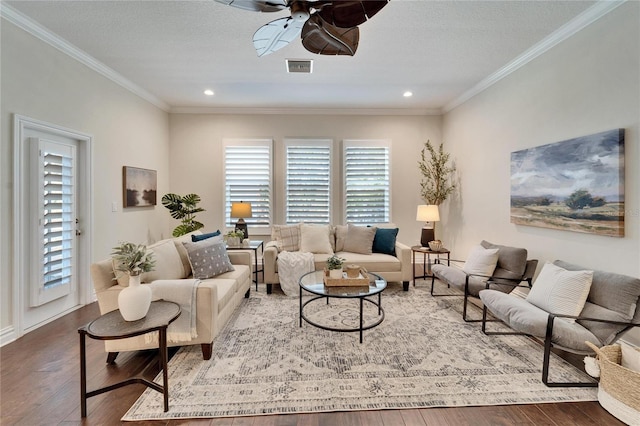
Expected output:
(247, 170)
(54, 169)
(308, 181)
(367, 182)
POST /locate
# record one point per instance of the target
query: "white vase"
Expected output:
(134, 301)
(336, 274)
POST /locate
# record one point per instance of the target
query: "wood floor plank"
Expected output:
(40, 373)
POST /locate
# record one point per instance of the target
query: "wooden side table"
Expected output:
(111, 326)
(426, 260)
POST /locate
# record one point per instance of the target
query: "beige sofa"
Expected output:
(392, 267)
(216, 298)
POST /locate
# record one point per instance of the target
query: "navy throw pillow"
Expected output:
(385, 241)
(196, 238)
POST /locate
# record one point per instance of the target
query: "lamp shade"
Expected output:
(428, 213)
(241, 210)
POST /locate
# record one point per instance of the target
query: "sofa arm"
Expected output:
(240, 257)
(270, 257)
(403, 252)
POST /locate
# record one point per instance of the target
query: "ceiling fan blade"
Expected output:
(347, 14)
(275, 35)
(325, 39)
(257, 5)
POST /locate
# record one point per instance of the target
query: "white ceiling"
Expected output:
(440, 50)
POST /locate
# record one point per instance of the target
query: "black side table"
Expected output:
(426, 260)
(111, 326)
(254, 245)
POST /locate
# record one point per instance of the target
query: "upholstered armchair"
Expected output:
(567, 306)
(500, 267)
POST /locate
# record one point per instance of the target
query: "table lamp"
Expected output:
(241, 210)
(429, 214)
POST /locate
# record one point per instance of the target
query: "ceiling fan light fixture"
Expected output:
(209, 92)
(304, 66)
(407, 94)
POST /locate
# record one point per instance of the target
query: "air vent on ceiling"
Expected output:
(300, 65)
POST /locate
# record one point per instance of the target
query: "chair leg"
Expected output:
(269, 288)
(207, 350)
(547, 358)
(464, 304)
(111, 357)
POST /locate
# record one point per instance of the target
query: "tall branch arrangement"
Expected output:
(436, 184)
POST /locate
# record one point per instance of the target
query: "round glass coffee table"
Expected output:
(313, 283)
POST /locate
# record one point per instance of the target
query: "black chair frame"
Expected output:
(547, 343)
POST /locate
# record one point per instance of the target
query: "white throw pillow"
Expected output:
(630, 357)
(559, 291)
(315, 239)
(287, 237)
(481, 261)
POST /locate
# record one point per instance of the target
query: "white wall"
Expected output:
(197, 155)
(39, 81)
(587, 84)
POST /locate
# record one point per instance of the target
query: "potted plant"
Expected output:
(184, 209)
(133, 260)
(234, 238)
(334, 265)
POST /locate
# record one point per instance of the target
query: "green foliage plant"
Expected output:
(582, 198)
(335, 262)
(133, 259)
(437, 173)
(238, 233)
(183, 208)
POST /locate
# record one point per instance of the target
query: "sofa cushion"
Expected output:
(375, 262)
(287, 237)
(385, 241)
(360, 239)
(481, 261)
(456, 278)
(613, 291)
(630, 357)
(524, 317)
(168, 263)
(184, 256)
(208, 258)
(512, 261)
(315, 239)
(607, 333)
(341, 237)
(559, 291)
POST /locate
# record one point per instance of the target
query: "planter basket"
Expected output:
(619, 388)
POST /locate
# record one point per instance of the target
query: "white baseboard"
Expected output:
(7, 335)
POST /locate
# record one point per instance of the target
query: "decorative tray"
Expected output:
(360, 281)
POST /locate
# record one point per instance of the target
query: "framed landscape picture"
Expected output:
(573, 185)
(139, 187)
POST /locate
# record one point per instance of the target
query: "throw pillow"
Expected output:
(341, 236)
(630, 357)
(196, 238)
(287, 237)
(208, 258)
(559, 291)
(168, 265)
(481, 261)
(385, 241)
(360, 239)
(315, 239)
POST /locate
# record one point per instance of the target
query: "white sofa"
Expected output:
(394, 267)
(216, 298)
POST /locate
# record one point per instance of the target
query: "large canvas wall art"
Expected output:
(140, 187)
(573, 185)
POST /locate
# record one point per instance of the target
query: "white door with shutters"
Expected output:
(52, 210)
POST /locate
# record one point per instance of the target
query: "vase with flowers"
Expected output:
(133, 260)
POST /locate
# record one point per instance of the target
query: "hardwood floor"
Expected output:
(40, 385)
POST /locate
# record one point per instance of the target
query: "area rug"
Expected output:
(421, 355)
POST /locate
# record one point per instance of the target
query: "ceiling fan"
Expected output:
(327, 27)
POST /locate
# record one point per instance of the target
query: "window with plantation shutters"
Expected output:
(247, 171)
(308, 181)
(367, 183)
(54, 172)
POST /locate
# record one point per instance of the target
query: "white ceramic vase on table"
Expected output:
(335, 274)
(134, 301)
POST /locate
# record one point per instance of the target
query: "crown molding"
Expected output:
(305, 111)
(35, 29)
(586, 18)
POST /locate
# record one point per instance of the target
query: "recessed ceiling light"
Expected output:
(208, 92)
(407, 94)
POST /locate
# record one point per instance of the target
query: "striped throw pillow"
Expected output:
(560, 291)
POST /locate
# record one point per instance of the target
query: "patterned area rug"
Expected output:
(422, 355)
